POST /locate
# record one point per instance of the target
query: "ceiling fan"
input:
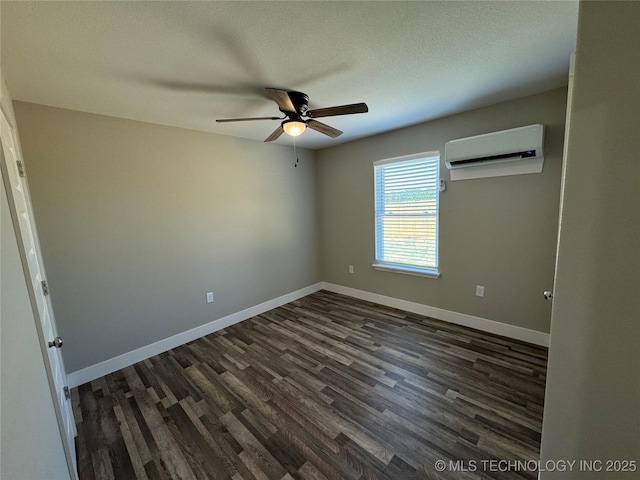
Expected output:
(297, 118)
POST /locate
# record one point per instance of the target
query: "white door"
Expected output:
(20, 205)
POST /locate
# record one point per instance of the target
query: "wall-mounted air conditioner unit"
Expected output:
(509, 152)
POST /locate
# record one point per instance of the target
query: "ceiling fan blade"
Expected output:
(222, 120)
(240, 88)
(276, 133)
(340, 110)
(323, 128)
(281, 97)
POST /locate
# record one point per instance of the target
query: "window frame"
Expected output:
(408, 269)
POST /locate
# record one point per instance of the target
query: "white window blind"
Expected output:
(406, 209)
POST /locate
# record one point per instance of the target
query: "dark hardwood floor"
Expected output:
(324, 387)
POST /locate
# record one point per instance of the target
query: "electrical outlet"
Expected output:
(479, 291)
(351, 269)
(210, 297)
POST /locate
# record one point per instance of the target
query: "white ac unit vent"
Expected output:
(509, 152)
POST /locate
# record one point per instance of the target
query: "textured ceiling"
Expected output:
(187, 63)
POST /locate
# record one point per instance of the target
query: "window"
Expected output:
(406, 209)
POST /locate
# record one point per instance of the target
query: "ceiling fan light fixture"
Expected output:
(294, 128)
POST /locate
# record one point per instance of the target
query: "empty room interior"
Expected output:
(320, 240)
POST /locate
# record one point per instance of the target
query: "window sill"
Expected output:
(418, 272)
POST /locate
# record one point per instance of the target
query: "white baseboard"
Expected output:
(491, 326)
(98, 370)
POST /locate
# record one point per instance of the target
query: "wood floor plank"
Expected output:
(127, 436)
(102, 465)
(326, 387)
(172, 457)
(255, 451)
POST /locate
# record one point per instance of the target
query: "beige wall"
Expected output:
(592, 408)
(138, 221)
(496, 232)
(31, 445)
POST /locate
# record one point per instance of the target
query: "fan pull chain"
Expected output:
(295, 152)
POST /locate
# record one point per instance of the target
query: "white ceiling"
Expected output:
(187, 63)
